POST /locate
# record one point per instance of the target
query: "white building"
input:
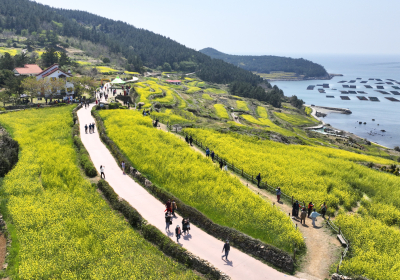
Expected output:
(54, 72)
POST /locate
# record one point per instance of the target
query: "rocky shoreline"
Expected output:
(329, 77)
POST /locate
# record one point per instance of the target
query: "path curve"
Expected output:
(205, 246)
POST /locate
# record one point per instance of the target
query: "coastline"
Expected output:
(325, 110)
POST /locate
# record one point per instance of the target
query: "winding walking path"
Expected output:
(205, 246)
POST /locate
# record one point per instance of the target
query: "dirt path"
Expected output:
(235, 118)
(323, 248)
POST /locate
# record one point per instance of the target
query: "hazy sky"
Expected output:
(283, 27)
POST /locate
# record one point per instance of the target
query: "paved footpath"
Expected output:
(205, 246)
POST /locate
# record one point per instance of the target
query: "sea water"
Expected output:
(386, 113)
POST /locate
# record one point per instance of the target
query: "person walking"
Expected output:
(226, 167)
(187, 226)
(310, 208)
(212, 155)
(86, 127)
(93, 124)
(226, 248)
(190, 140)
(168, 206)
(184, 226)
(173, 207)
(323, 209)
(258, 179)
(178, 233)
(207, 152)
(168, 221)
(221, 164)
(295, 209)
(102, 172)
(90, 128)
(123, 167)
(314, 216)
(187, 139)
(303, 215)
(278, 194)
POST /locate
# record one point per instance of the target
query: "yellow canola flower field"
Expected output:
(172, 117)
(317, 174)
(242, 105)
(148, 88)
(221, 111)
(62, 228)
(374, 251)
(295, 119)
(173, 165)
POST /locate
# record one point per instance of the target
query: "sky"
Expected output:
(260, 27)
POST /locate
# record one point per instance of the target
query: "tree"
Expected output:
(82, 84)
(64, 59)
(4, 97)
(167, 67)
(106, 60)
(33, 86)
(7, 62)
(49, 57)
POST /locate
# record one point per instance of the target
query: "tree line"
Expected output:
(139, 46)
(268, 63)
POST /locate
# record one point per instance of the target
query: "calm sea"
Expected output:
(386, 113)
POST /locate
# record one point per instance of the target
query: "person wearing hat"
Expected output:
(226, 248)
(178, 233)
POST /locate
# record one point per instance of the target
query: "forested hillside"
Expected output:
(268, 63)
(140, 47)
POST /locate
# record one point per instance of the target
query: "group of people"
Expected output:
(309, 212)
(91, 128)
(189, 140)
(171, 207)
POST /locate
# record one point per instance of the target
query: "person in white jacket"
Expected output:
(314, 216)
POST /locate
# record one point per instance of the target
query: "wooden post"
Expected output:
(337, 269)
(294, 253)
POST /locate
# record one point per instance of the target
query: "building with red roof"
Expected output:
(53, 73)
(27, 70)
(175, 82)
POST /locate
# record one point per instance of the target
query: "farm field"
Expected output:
(333, 176)
(221, 111)
(296, 120)
(308, 173)
(196, 182)
(61, 227)
(242, 105)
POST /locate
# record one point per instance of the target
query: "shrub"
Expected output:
(397, 149)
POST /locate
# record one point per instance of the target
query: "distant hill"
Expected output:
(268, 63)
(140, 47)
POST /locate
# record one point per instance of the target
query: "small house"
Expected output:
(174, 82)
(54, 72)
(27, 70)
